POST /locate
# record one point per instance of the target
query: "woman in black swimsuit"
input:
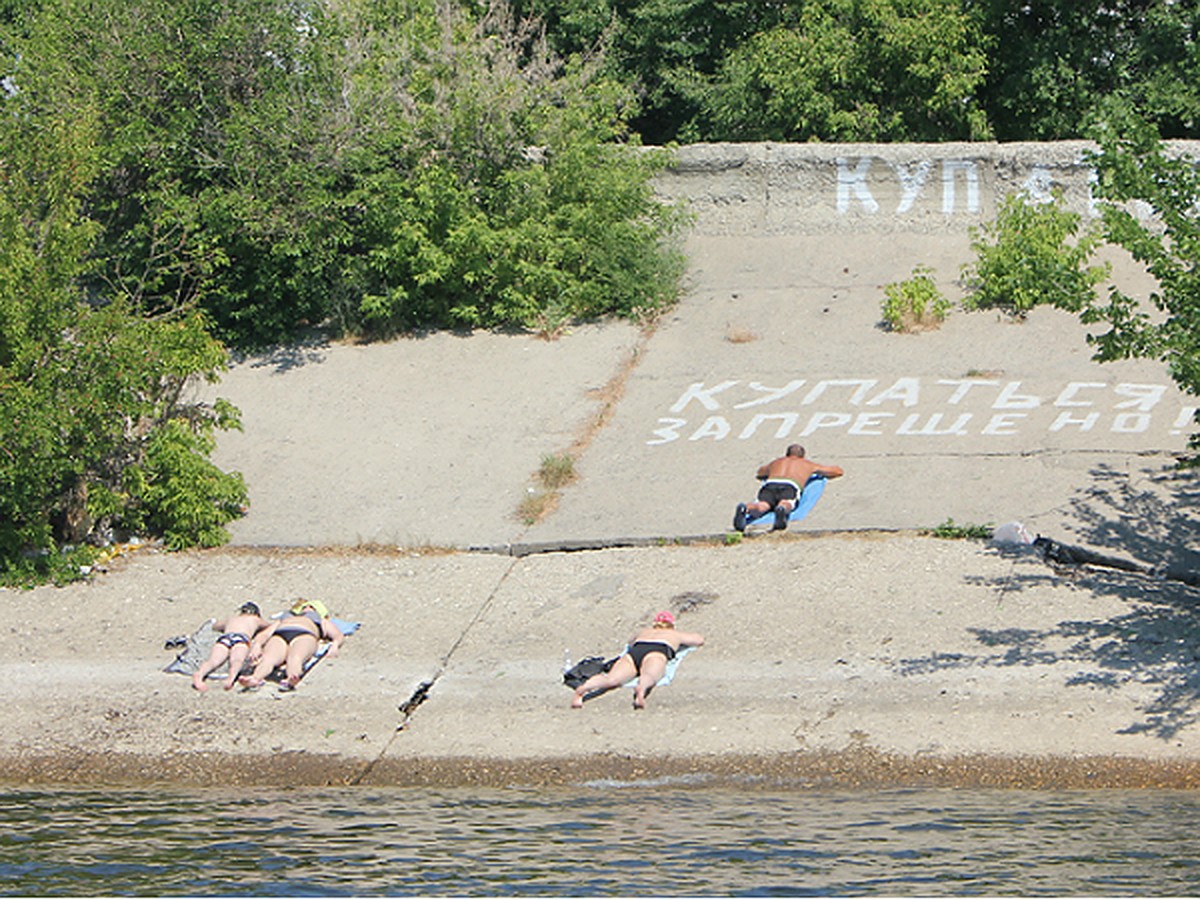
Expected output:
(649, 652)
(291, 642)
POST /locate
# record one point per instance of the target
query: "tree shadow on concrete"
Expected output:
(309, 348)
(1157, 642)
(1152, 521)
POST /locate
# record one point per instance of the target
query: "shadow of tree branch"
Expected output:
(1157, 642)
(1152, 521)
(309, 348)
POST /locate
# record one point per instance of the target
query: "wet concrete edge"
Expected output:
(853, 769)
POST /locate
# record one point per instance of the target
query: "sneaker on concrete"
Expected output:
(739, 518)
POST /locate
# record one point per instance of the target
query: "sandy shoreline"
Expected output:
(862, 769)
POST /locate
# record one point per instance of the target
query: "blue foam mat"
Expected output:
(809, 495)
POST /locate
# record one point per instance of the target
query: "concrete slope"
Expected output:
(423, 441)
(848, 658)
(982, 420)
(435, 440)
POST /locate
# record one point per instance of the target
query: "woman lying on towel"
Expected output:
(646, 660)
(291, 642)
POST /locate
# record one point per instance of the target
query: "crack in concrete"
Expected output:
(609, 397)
(423, 690)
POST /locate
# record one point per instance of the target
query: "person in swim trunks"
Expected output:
(291, 642)
(783, 479)
(233, 645)
(646, 660)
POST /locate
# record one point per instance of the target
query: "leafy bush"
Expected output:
(1025, 258)
(101, 442)
(185, 497)
(377, 166)
(1133, 166)
(852, 70)
(914, 304)
(91, 391)
(505, 193)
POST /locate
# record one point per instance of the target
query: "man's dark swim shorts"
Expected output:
(773, 491)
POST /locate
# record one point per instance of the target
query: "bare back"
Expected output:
(797, 469)
(243, 623)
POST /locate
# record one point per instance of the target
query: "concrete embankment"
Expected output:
(853, 659)
(850, 650)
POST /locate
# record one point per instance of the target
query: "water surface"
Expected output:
(656, 838)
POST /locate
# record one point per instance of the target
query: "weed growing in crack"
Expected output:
(557, 471)
(950, 530)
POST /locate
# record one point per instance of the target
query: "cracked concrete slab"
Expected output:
(812, 644)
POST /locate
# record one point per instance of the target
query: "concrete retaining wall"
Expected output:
(778, 189)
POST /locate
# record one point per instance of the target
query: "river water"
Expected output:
(603, 839)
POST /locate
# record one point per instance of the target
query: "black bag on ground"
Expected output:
(585, 669)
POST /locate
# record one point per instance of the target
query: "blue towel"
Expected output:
(809, 495)
(346, 628)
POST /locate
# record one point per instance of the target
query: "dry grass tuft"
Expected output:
(739, 335)
(536, 506)
(557, 471)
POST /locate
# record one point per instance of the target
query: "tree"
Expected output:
(662, 50)
(1055, 63)
(496, 183)
(95, 433)
(1135, 169)
(217, 180)
(362, 165)
(853, 70)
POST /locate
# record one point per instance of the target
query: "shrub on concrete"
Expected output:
(1033, 253)
(914, 304)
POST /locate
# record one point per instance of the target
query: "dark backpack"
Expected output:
(585, 669)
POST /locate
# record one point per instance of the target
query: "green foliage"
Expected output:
(531, 212)
(182, 495)
(915, 303)
(854, 70)
(1025, 258)
(950, 530)
(86, 388)
(886, 69)
(1167, 87)
(284, 164)
(1135, 170)
(1055, 63)
(216, 182)
(662, 49)
(57, 566)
